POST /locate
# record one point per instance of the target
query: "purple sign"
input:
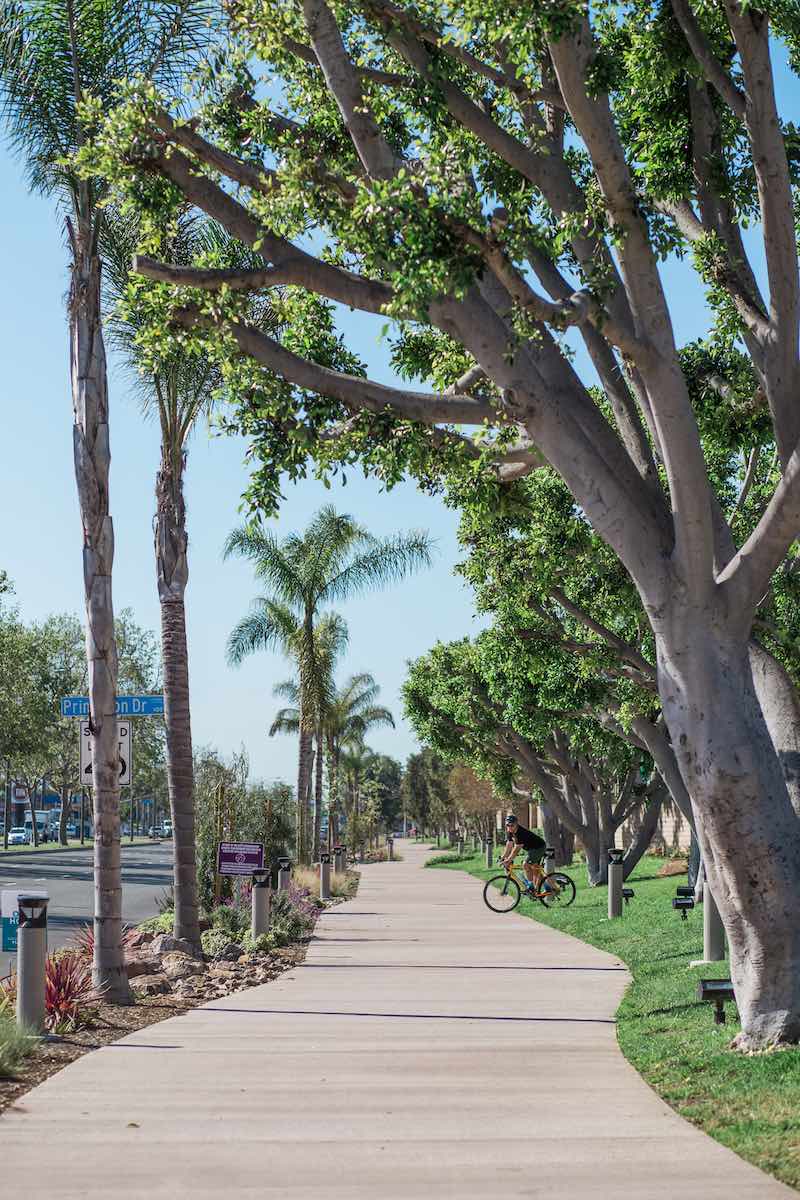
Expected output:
(240, 858)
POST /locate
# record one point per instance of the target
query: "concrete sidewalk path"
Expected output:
(427, 1047)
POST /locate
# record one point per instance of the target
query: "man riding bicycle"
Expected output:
(520, 838)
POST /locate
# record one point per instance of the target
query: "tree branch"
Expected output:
(351, 390)
(747, 576)
(703, 51)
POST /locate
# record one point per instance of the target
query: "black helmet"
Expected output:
(511, 820)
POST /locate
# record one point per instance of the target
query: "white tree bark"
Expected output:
(92, 461)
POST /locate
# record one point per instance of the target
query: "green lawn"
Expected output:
(749, 1103)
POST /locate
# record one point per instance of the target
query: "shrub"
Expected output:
(439, 860)
(234, 921)
(161, 924)
(214, 940)
(68, 992)
(260, 945)
(83, 941)
(15, 1043)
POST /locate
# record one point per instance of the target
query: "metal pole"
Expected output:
(260, 903)
(325, 876)
(489, 847)
(83, 814)
(31, 961)
(390, 848)
(615, 869)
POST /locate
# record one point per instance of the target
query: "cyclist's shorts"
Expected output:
(534, 857)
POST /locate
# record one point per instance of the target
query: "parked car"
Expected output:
(19, 836)
(166, 829)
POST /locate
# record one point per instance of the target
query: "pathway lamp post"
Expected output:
(615, 870)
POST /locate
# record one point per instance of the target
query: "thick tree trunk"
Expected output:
(557, 836)
(780, 705)
(92, 461)
(303, 768)
(647, 828)
(172, 571)
(746, 825)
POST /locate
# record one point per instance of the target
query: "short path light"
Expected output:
(615, 871)
(260, 903)
(325, 876)
(284, 873)
(31, 960)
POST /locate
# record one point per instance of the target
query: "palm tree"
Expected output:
(54, 55)
(348, 719)
(331, 637)
(334, 559)
(356, 758)
(177, 388)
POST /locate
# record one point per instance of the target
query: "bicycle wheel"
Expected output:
(557, 890)
(502, 893)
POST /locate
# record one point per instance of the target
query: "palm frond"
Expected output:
(385, 560)
(272, 565)
(270, 626)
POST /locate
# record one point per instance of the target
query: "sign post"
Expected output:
(240, 858)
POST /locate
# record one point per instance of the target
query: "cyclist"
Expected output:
(520, 838)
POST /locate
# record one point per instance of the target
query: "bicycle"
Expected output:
(555, 889)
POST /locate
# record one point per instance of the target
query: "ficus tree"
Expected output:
(473, 703)
(503, 183)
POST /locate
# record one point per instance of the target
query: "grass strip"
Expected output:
(750, 1103)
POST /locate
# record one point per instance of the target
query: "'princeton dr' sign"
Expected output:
(240, 858)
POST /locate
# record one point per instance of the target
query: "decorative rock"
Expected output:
(139, 938)
(165, 942)
(181, 966)
(230, 953)
(151, 985)
(141, 965)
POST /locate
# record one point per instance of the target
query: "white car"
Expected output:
(18, 837)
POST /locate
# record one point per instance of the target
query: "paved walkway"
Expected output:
(409, 1057)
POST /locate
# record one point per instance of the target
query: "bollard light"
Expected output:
(615, 873)
(260, 903)
(31, 960)
(325, 876)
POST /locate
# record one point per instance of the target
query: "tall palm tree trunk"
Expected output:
(92, 461)
(303, 771)
(318, 798)
(173, 574)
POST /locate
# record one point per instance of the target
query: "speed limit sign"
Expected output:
(124, 749)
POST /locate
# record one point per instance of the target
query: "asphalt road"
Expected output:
(146, 872)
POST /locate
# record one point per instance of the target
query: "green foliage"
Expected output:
(15, 1043)
(163, 923)
(213, 940)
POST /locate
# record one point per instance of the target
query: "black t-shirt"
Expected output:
(527, 839)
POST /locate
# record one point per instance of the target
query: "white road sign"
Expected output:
(125, 753)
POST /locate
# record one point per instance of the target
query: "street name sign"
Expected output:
(127, 706)
(125, 753)
(240, 858)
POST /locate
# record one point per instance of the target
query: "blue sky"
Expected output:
(41, 547)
